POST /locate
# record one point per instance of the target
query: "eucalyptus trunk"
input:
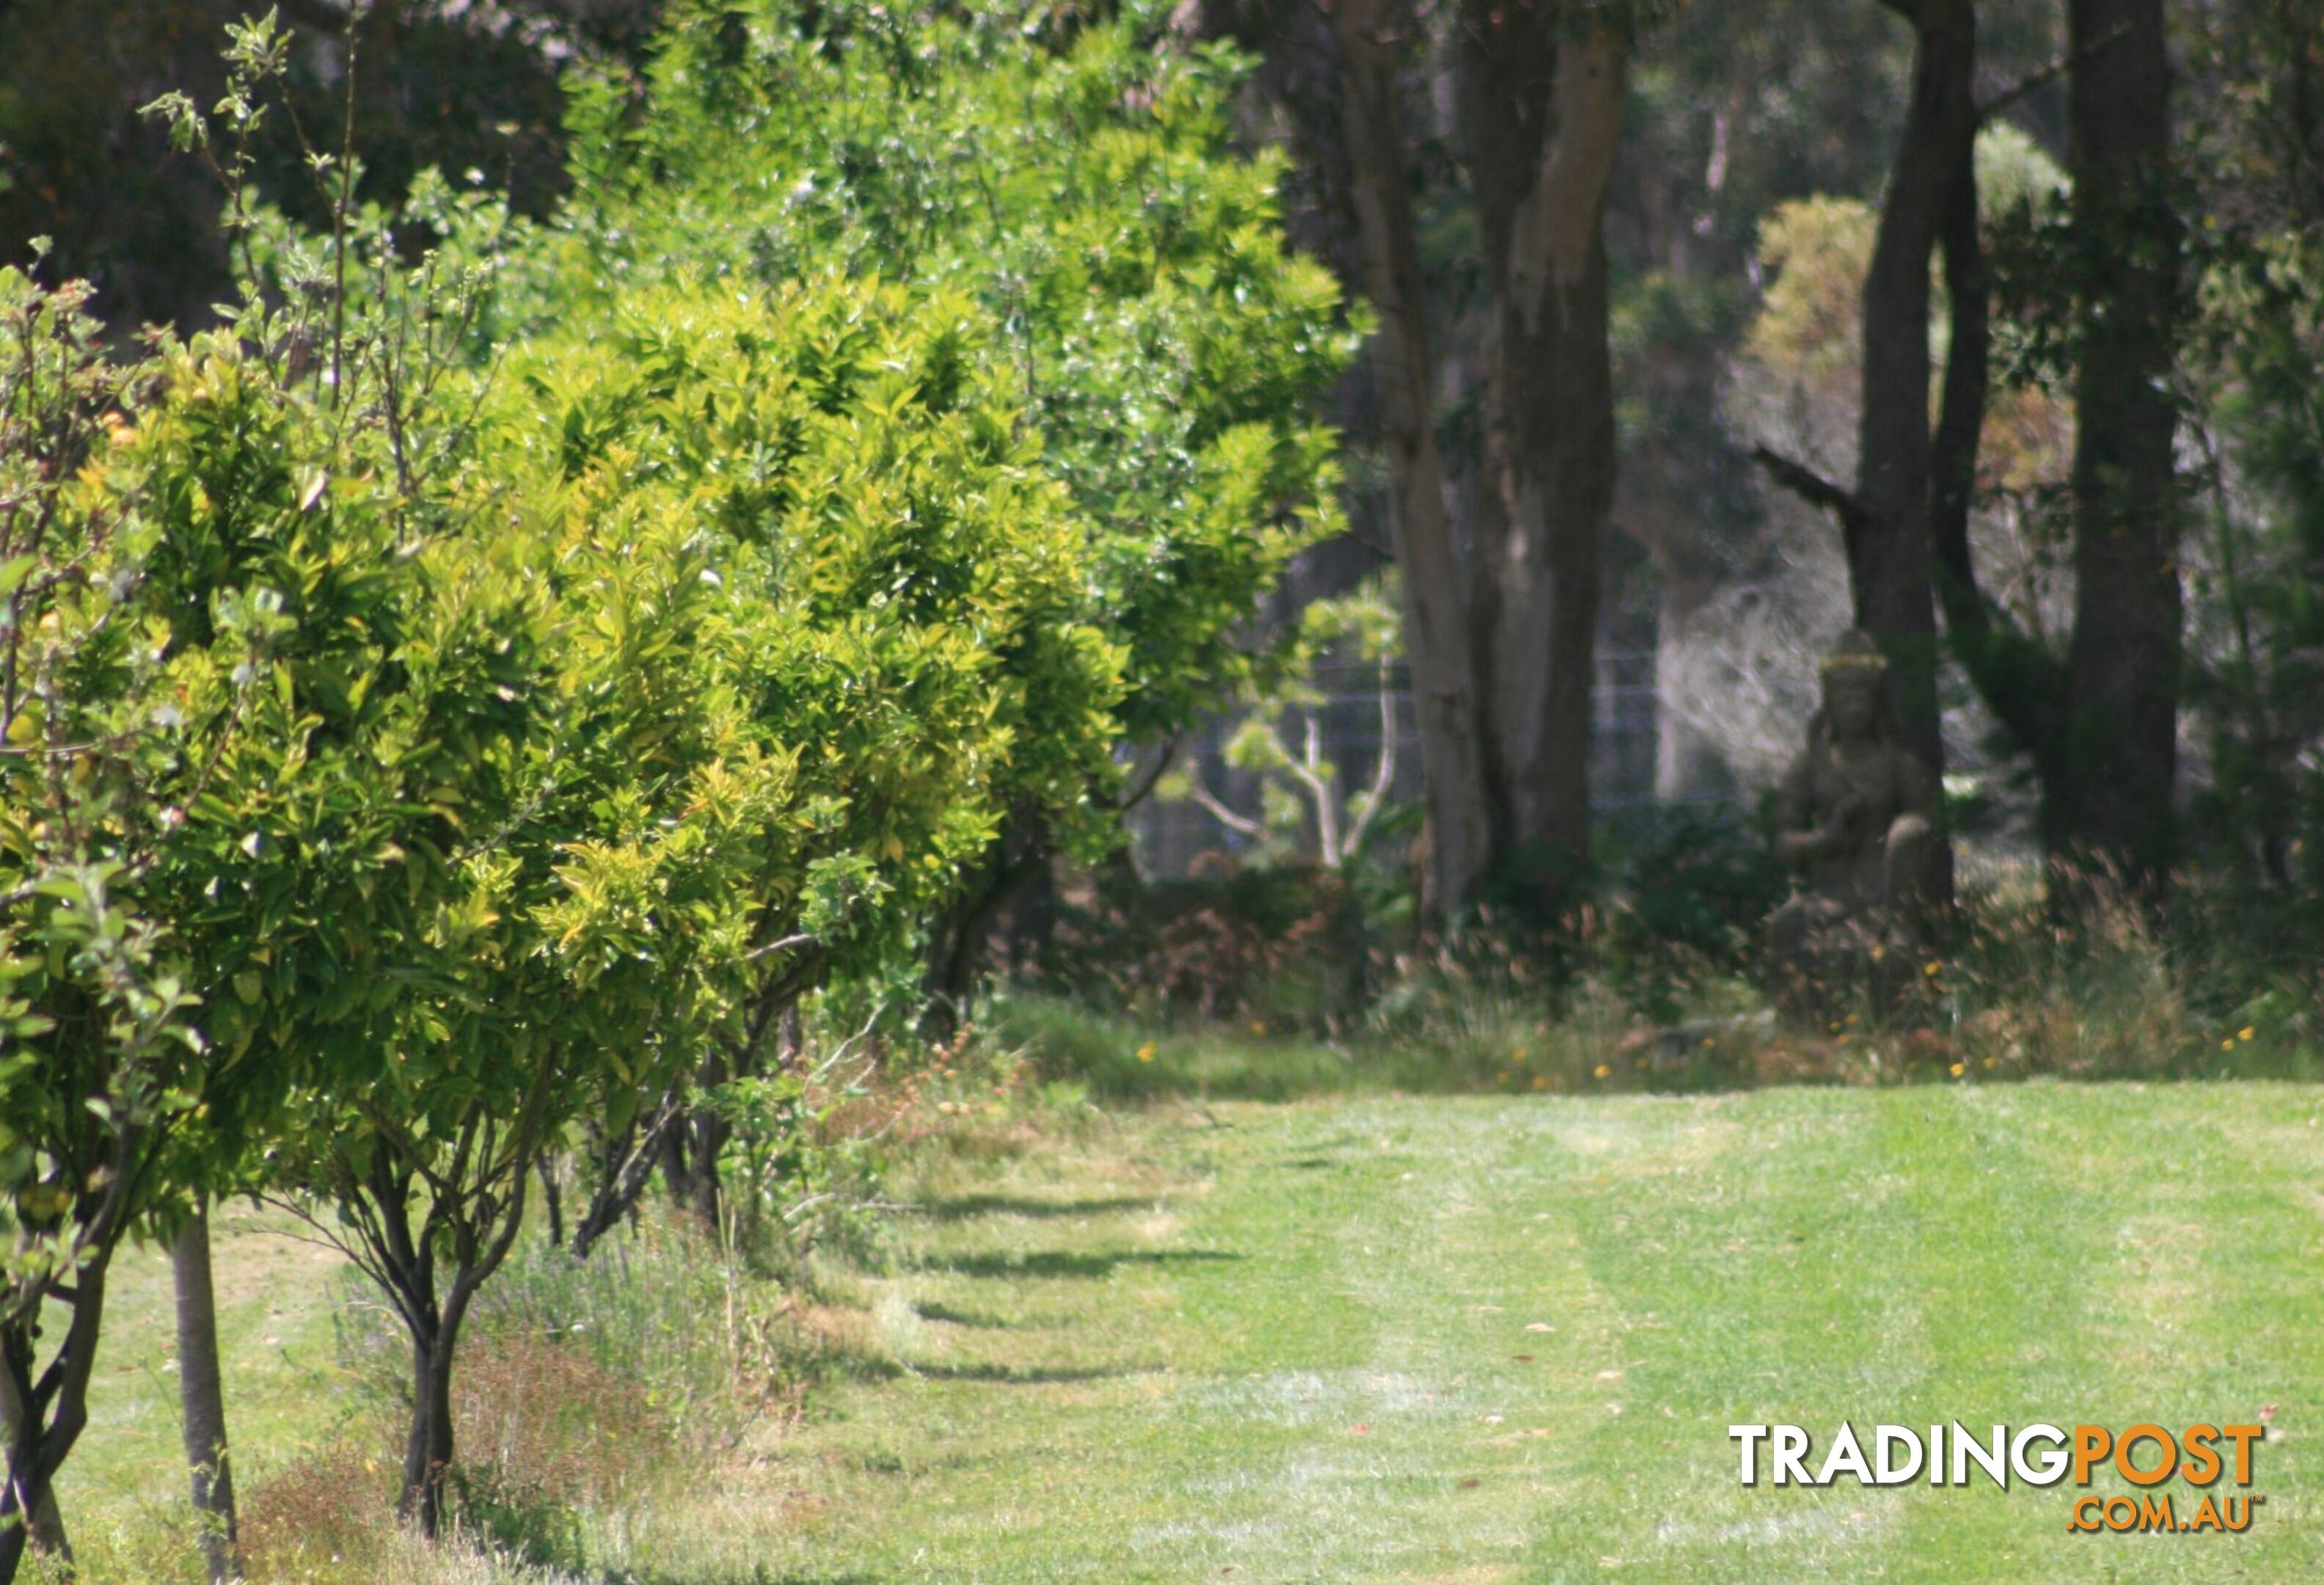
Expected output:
(1890, 550)
(1374, 36)
(2124, 663)
(1541, 96)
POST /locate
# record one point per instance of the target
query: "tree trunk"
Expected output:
(201, 1396)
(697, 1139)
(1373, 35)
(1891, 559)
(2124, 665)
(1541, 105)
(2018, 677)
(428, 1441)
(552, 1198)
(957, 946)
(41, 1430)
(707, 1135)
(47, 1533)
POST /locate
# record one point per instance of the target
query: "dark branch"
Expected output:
(2034, 82)
(1809, 485)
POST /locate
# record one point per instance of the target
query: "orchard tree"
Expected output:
(1077, 179)
(885, 628)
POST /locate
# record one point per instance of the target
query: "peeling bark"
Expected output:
(1541, 108)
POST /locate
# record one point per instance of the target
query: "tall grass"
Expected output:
(2097, 983)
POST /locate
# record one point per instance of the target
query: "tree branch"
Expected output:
(1144, 782)
(1809, 485)
(1219, 811)
(2035, 81)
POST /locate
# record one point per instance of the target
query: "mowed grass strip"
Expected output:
(1481, 1339)
(1343, 1374)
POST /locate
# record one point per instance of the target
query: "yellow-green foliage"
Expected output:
(1075, 179)
(866, 608)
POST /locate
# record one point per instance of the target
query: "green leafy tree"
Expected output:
(94, 1047)
(1078, 182)
(898, 621)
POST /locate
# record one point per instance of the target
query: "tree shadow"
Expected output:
(951, 1316)
(1064, 1262)
(759, 1577)
(960, 1206)
(1025, 1375)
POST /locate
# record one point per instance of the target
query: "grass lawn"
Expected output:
(1481, 1339)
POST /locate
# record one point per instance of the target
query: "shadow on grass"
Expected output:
(949, 1316)
(960, 1206)
(758, 1576)
(1026, 1375)
(1065, 1262)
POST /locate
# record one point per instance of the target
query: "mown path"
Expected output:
(1472, 1340)
(1482, 1340)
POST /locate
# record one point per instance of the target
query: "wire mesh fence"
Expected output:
(1169, 836)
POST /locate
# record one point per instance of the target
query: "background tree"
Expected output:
(1542, 95)
(2123, 666)
(1374, 37)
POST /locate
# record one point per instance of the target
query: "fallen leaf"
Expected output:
(1527, 1359)
(1471, 1484)
(1613, 1408)
(1539, 1326)
(2267, 1414)
(1360, 1429)
(1610, 1376)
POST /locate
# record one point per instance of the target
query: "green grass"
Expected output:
(276, 1296)
(1301, 1341)
(1151, 1360)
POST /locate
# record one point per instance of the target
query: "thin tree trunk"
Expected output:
(957, 949)
(2124, 662)
(1542, 104)
(47, 1533)
(552, 1198)
(2018, 677)
(708, 1135)
(201, 1396)
(39, 1438)
(1373, 35)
